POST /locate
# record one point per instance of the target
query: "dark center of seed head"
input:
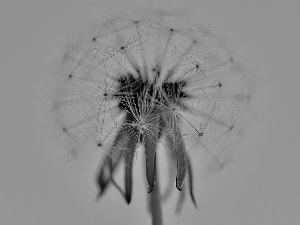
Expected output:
(131, 89)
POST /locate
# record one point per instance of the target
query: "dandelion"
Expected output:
(145, 82)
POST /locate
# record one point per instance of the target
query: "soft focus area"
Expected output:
(39, 185)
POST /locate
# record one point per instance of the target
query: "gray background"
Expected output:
(39, 186)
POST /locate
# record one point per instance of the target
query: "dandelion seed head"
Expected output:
(145, 81)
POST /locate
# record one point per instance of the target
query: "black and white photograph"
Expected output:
(159, 112)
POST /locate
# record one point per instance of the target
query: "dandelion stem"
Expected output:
(155, 205)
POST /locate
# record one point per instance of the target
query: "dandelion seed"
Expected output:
(144, 82)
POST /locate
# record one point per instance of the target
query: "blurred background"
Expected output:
(39, 186)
